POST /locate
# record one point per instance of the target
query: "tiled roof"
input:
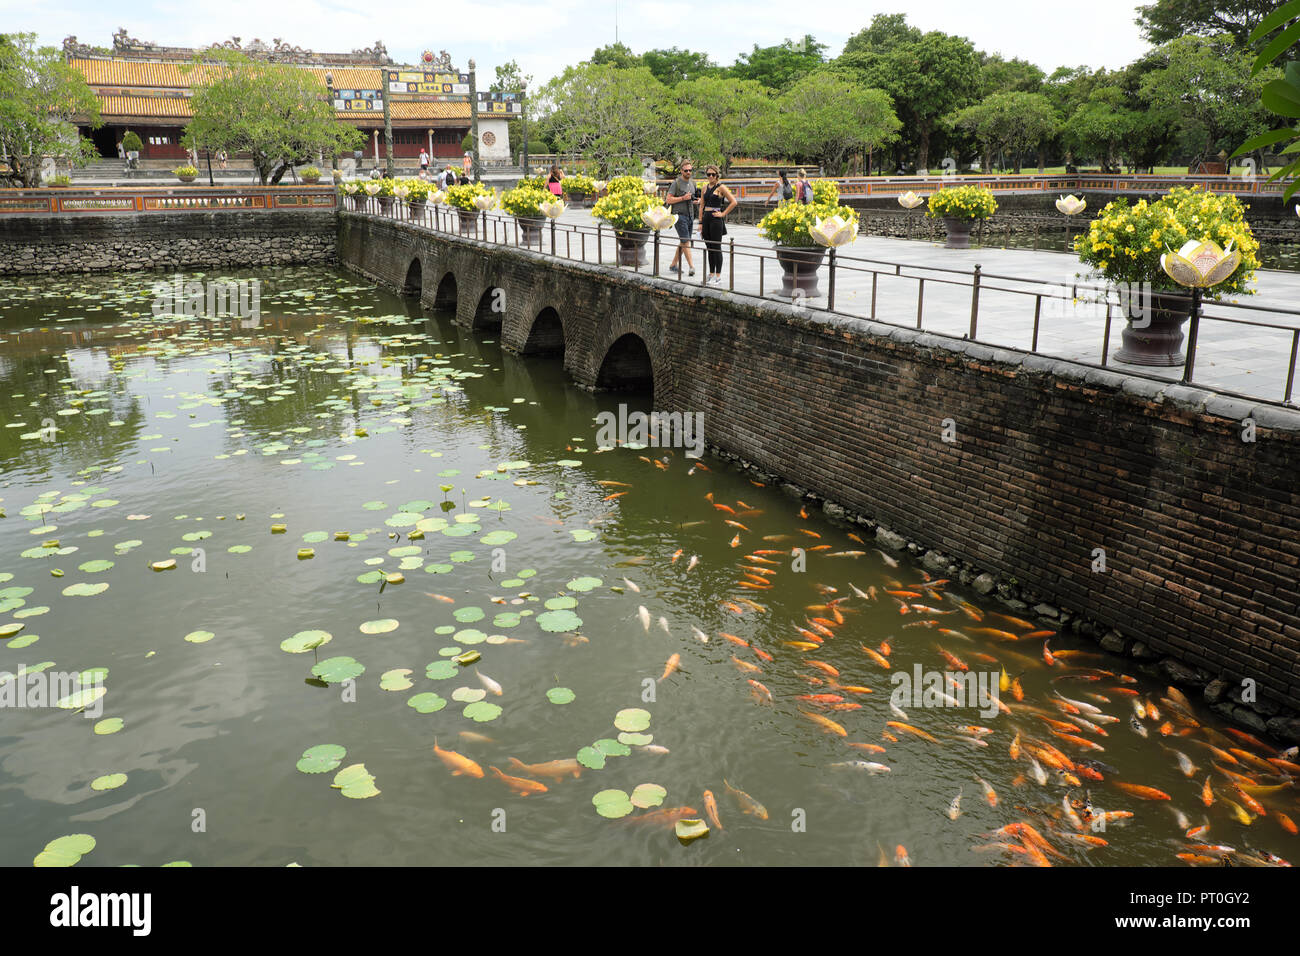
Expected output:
(177, 107)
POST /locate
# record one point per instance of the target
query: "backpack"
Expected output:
(787, 191)
(805, 191)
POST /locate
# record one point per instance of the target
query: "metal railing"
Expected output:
(592, 244)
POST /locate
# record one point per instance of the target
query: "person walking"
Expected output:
(121, 151)
(681, 198)
(716, 201)
(424, 163)
(782, 184)
(803, 191)
(221, 158)
(554, 181)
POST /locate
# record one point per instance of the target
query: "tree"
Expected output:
(1209, 86)
(614, 116)
(279, 115)
(1010, 122)
(618, 55)
(41, 98)
(827, 116)
(673, 66)
(929, 76)
(1281, 96)
(1167, 20)
(886, 31)
(778, 67)
(510, 79)
(732, 110)
(1101, 125)
(1009, 76)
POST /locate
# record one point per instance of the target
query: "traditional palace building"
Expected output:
(141, 87)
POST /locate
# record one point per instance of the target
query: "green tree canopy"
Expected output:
(827, 116)
(733, 111)
(1010, 122)
(510, 79)
(673, 66)
(777, 67)
(618, 55)
(1100, 126)
(1167, 20)
(1009, 76)
(41, 99)
(278, 114)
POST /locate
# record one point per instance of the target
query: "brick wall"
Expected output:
(1051, 460)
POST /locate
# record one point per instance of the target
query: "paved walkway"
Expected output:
(1252, 361)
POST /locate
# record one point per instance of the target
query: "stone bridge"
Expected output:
(1130, 510)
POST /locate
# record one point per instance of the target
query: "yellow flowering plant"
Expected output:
(826, 192)
(622, 208)
(525, 201)
(962, 202)
(579, 185)
(462, 197)
(789, 223)
(1124, 243)
(624, 184)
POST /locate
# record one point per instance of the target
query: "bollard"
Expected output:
(974, 301)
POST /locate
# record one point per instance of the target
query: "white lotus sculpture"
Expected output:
(659, 218)
(350, 188)
(1200, 265)
(833, 232)
(372, 189)
(437, 197)
(401, 192)
(1071, 205)
(484, 203)
(552, 209)
(599, 185)
(651, 188)
(910, 200)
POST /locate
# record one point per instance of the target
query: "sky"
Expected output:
(546, 37)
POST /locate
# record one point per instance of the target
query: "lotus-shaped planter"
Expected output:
(651, 189)
(1199, 265)
(833, 232)
(350, 188)
(401, 192)
(436, 197)
(372, 189)
(599, 185)
(910, 200)
(1071, 205)
(659, 218)
(484, 203)
(552, 209)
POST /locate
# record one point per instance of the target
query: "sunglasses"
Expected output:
(713, 175)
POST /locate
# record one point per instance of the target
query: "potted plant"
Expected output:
(354, 194)
(959, 207)
(131, 145)
(186, 174)
(461, 198)
(59, 182)
(310, 175)
(579, 188)
(622, 209)
(1124, 244)
(525, 204)
(385, 195)
(790, 226)
(415, 192)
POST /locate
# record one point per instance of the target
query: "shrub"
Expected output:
(579, 185)
(788, 223)
(962, 202)
(185, 171)
(131, 142)
(625, 183)
(311, 172)
(622, 208)
(525, 200)
(462, 197)
(826, 192)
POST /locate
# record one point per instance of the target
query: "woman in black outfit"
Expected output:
(713, 221)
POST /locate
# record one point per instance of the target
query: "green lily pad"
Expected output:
(612, 748)
(582, 534)
(688, 830)
(356, 782)
(561, 603)
(439, 670)
(438, 568)
(506, 619)
(65, 851)
(612, 804)
(648, 795)
(82, 698)
(470, 635)
(468, 615)
(110, 781)
(591, 757)
(109, 725)
(468, 695)
(239, 548)
(482, 711)
(9, 630)
(560, 695)
(305, 641)
(381, 626)
(461, 557)
(199, 637)
(558, 621)
(635, 740)
(338, 669)
(395, 679)
(83, 589)
(633, 719)
(426, 703)
(94, 567)
(583, 584)
(322, 758)
(493, 538)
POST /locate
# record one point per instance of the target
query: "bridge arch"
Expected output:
(491, 309)
(413, 285)
(627, 366)
(545, 334)
(445, 297)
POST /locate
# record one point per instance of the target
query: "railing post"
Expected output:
(761, 259)
(874, 277)
(1192, 329)
(1290, 371)
(920, 300)
(599, 254)
(1038, 309)
(656, 264)
(974, 302)
(1105, 337)
(830, 292)
(731, 264)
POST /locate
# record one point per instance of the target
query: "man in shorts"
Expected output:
(681, 200)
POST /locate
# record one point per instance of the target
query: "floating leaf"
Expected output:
(591, 757)
(468, 615)
(427, 703)
(561, 603)
(381, 626)
(167, 565)
(612, 804)
(85, 590)
(633, 719)
(305, 641)
(395, 679)
(558, 621)
(648, 795)
(66, 850)
(560, 695)
(322, 758)
(109, 725)
(335, 670)
(440, 670)
(110, 781)
(355, 782)
(94, 567)
(506, 619)
(199, 637)
(468, 695)
(688, 830)
(635, 740)
(583, 584)
(9, 630)
(612, 748)
(482, 711)
(494, 538)
(582, 534)
(469, 657)
(79, 699)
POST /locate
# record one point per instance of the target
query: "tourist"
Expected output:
(681, 196)
(121, 151)
(803, 190)
(449, 177)
(553, 182)
(713, 221)
(424, 164)
(221, 158)
(783, 184)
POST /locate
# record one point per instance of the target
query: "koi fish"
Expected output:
(826, 723)
(519, 785)
(695, 559)
(1207, 794)
(631, 586)
(823, 667)
(704, 638)
(990, 794)
(875, 656)
(673, 664)
(748, 804)
(458, 763)
(489, 683)
(440, 597)
(668, 816)
(869, 748)
(900, 856)
(899, 725)
(954, 807)
(745, 666)
(889, 562)
(866, 765)
(955, 662)
(555, 769)
(1146, 793)
(1015, 748)
(711, 808)
(760, 693)
(644, 615)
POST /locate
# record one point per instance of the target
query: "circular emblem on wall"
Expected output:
(489, 139)
(427, 56)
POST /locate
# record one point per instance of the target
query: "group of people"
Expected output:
(707, 209)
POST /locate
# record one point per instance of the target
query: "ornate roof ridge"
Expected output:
(278, 51)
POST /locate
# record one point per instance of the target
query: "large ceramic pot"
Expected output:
(799, 265)
(958, 232)
(631, 247)
(358, 200)
(185, 179)
(385, 205)
(416, 209)
(310, 180)
(1154, 333)
(530, 229)
(468, 222)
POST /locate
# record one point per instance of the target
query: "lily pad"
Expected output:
(468, 695)
(199, 637)
(560, 695)
(558, 621)
(688, 830)
(468, 615)
(395, 679)
(109, 725)
(612, 748)
(648, 795)
(305, 641)
(591, 757)
(110, 781)
(335, 670)
(356, 782)
(94, 567)
(381, 626)
(583, 584)
(493, 538)
(82, 589)
(82, 698)
(582, 534)
(440, 670)
(633, 719)
(612, 804)
(322, 758)
(482, 711)
(561, 603)
(635, 740)
(65, 851)
(427, 703)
